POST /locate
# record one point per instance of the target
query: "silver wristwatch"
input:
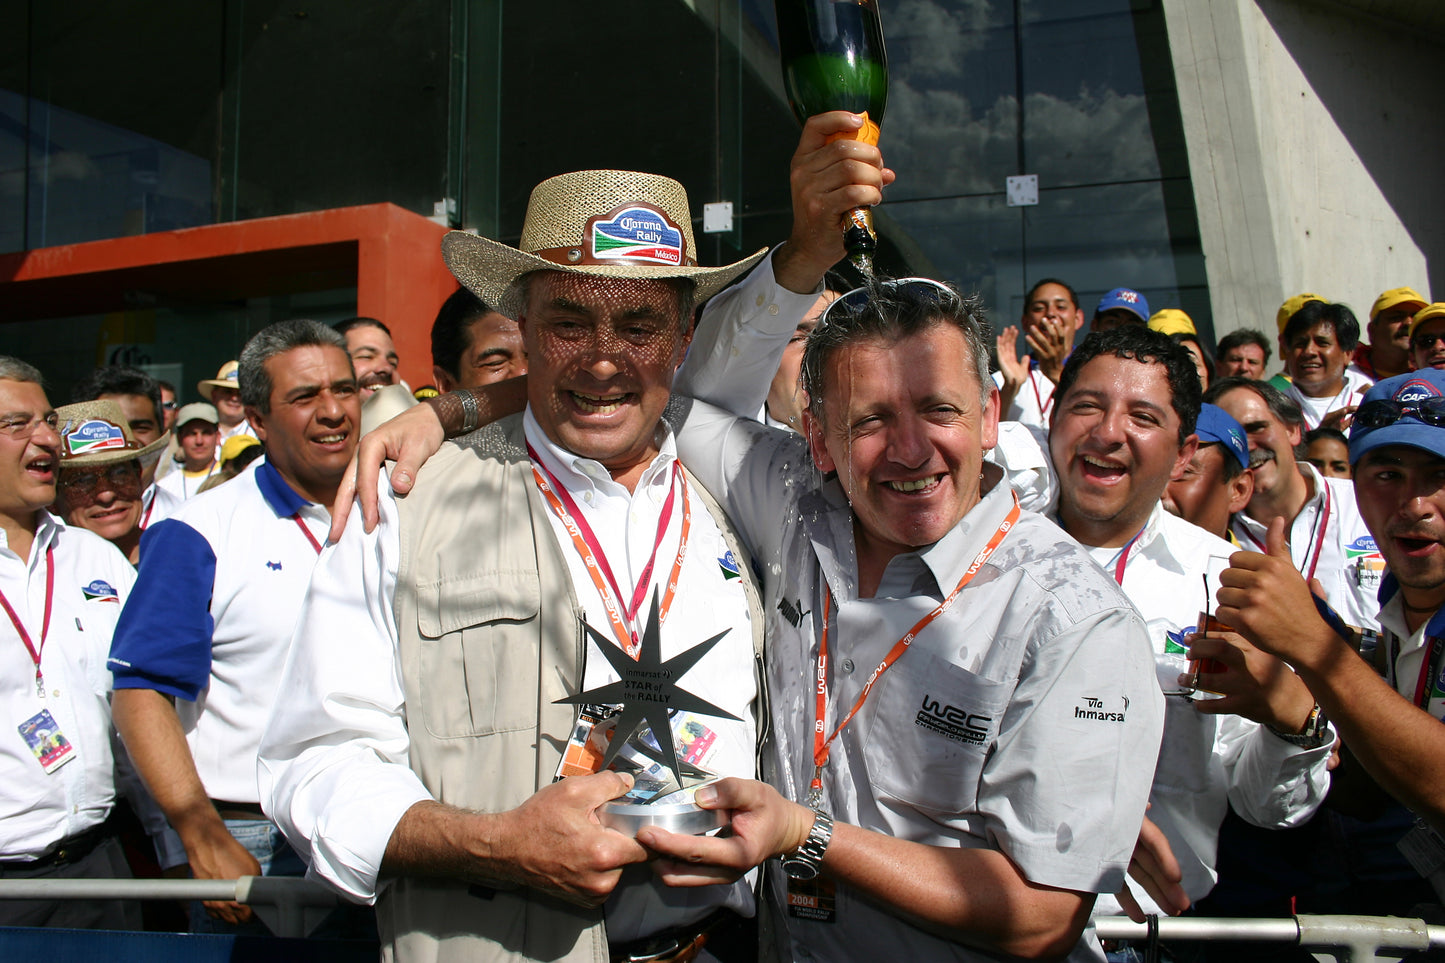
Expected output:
(1313, 735)
(471, 413)
(806, 861)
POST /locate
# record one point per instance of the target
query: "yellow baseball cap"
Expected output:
(1172, 321)
(1396, 297)
(1428, 313)
(1287, 310)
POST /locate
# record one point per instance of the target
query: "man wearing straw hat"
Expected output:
(100, 487)
(430, 786)
(61, 590)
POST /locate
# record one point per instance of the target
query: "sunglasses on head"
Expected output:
(858, 298)
(1383, 412)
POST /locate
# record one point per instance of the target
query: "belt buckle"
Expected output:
(665, 952)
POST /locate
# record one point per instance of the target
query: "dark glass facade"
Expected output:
(137, 116)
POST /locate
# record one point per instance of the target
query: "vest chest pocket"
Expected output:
(478, 655)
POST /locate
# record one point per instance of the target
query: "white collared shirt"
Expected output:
(1207, 761)
(91, 581)
(1350, 566)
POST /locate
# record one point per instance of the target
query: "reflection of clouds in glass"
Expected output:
(927, 41)
(939, 146)
(64, 165)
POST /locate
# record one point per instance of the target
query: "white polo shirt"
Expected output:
(91, 581)
(220, 585)
(1207, 761)
(1329, 540)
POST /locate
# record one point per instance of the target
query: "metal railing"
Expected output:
(1349, 939)
(287, 905)
(293, 907)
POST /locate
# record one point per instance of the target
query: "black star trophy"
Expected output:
(650, 702)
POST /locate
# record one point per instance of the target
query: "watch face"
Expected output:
(799, 869)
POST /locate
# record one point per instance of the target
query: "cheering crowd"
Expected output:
(969, 647)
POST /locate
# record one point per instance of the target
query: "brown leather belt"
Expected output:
(679, 945)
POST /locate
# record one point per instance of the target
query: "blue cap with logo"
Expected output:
(1126, 298)
(1403, 395)
(1217, 427)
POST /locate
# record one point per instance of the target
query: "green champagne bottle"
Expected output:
(833, 59)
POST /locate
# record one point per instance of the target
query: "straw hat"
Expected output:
(609, 224)
(385, 404)
(96, 433)
(227, 377)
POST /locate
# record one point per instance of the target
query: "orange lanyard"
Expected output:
(820, 744)
(36, 650)
(595, 559)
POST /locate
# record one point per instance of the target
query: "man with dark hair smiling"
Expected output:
(472, 343)
(1123, 427)
(1316, 345)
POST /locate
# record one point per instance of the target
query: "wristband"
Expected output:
(471, 414)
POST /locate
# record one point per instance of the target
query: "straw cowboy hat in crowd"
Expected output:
(94, 434)
(608, 224)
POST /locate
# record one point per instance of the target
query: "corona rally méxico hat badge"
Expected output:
(637, 234)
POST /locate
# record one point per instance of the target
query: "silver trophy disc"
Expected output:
(684, 818)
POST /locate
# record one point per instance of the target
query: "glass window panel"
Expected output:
(120, 118)
(1098, 238)
(1086, 116)
(334, 103)
(610, 91)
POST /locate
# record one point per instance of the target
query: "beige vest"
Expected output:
(490, 637)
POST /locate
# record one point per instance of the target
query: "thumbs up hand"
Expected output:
(1265, 599)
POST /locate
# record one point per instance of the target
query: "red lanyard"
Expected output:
(820, 744)
(1123, 562)
(1038, 396)
(30, 646)
(307, 532)
(1317, 539)
(590, 549)
(146, 518)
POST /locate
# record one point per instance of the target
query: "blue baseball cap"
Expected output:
(1409, 389)
(1217, 427)
(1126, 298)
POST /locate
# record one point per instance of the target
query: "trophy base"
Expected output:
(684, 818)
